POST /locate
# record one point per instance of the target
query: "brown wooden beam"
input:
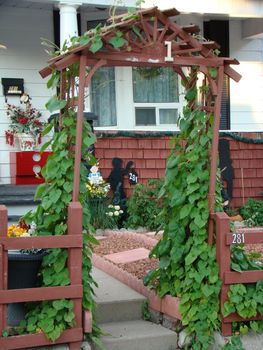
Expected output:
(41, 293)
(33, 340)
(214, 152)
(82, 75)
(232, 73)
(243, 277)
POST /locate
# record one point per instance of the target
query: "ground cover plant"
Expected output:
(252, 212)
(144, 206)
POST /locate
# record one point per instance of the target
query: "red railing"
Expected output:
(73, 242)
(224, 239)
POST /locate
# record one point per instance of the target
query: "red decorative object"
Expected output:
(22, 164)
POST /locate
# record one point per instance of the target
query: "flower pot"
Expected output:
(26, 142)
(22, 273)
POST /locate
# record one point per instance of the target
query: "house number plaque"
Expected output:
(238, 238)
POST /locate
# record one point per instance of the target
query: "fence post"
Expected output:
(223, 257)
(75, 262)
(3, 266)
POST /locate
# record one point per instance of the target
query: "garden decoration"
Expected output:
(25, 125)
(116, 179)
(145, 38)
(225, 164)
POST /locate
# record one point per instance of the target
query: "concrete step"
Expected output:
(18, 190)
(19, 199)
(137, 335)
(115, 301)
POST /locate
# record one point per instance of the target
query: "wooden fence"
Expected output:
(73, 242)
(224, 239)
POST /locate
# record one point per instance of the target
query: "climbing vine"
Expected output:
(188, 267)
(50, 217)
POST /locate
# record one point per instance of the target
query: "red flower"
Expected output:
(22, 120)
(37, 122)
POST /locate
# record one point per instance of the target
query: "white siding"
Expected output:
(20, 31)
(246, 96)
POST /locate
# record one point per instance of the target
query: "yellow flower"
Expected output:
(16, 231)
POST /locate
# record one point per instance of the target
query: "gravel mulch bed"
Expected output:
(121, 243)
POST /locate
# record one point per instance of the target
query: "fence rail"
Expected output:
(73, 242)
(224, 239)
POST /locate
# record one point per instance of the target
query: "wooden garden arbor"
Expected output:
(150, 38)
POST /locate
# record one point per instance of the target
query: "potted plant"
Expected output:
(25, 125)
(23, 266)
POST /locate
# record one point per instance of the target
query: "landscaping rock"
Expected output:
(220, 341)
(155, 316)
(184, 339)
(172, 323)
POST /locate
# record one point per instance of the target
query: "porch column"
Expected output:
(68, 20)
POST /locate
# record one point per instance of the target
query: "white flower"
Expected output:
(26, 234)
(116, 213)
(110, 213)
(121, 211)
(117, 207)
(110, 206)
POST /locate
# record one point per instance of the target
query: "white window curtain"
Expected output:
(156, 85)
(103, 96)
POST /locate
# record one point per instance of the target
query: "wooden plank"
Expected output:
(244, 236)
(4, 266)
(232, 73)
(222, 253)
(75, 254)
(171, 12)
(127, 58)
(32, 340)
(236, 318)
(41, 293)
(66, 61)
(147, 28)
(155, 29)
(214, 152)
(243, 277)
(2, 307)
(163, 32)
(211, 45)
(191, 28)
(44, 242)
(45, 72)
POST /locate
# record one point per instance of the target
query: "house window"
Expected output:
(155, 96)
(103, 96)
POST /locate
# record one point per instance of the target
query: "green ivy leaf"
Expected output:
(54, 104)
(96, 45)
(213, 72)
(117, 41)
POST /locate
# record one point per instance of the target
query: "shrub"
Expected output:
(144, 208)
(253, 210)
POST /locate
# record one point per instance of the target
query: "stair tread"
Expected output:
(16, 190)
(111, 290)
(134, 329)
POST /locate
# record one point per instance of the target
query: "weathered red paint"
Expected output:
(227, 276)
(73, 241)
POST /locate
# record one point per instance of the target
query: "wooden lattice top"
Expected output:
(152, 38)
